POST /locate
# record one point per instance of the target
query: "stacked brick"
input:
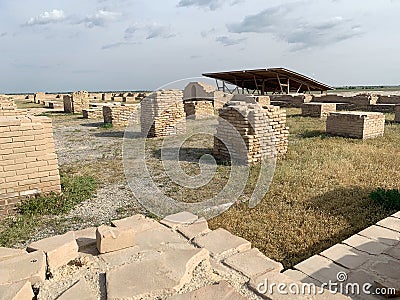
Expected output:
(8, 108)
(318, 110)
(121, 114)
(198, 109)
(291, 100)
(77, 102)
(356, 99)
(28, 164)
(389, 99)
(360, 125)
(39, 96)
(94, 112)
(397, 114)
(163, 114)
(262, 129)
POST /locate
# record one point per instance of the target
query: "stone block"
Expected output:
(60, 249)
(16, 291)
(346, 256)
(167, 273)
(222, 243)
(195, 229)
(176, 220)
(220, 290)
(390, 223)
(365, 244)
(7, 253)
(252, 263)
(138, 223)
(85, 237)
(30, 266)
(112, 238)
(80, 290)
(381, 234)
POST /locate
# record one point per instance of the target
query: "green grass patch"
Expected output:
(106, 126)
(388, 199)
(33, 212)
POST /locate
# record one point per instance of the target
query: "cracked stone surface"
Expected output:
(110, 239)
(16, 291)
(195, 229)
(346, 256)
(80, 290)
(59, 249)
(167, 273)
(6, 253)
(138, 223)
(365, 244)
(179, 219)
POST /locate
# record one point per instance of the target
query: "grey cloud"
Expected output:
(206, 4)
(159, 31)
(131, 31)
(299, 33)
(47, 17)
(117, 45)
(100, 18)
(229, 41)
(3, 34)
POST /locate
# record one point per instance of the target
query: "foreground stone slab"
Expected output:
(112, 238)
(85, 237)
(80, 290)
(383, 235)
(176, 220)
(167, 273)
(60, 249)
(267, 286)
(30, 266)
(321, 268)
(394, 252)
(158, 239)
(296, 275)
(396, 215)
(221, 291)
(252, 263)
(120, 257)
(345, 256)
(195, 229)
(16, 291)
(221, 243)
(390, 223)
(365, 244)
(6, 253)
(137, 222)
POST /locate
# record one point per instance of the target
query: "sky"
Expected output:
(100, 45)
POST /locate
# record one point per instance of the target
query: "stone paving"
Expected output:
(181, 258)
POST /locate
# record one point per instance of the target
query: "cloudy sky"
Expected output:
(136, 44)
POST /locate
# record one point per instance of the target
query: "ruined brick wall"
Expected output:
(28, 162)
(291, 100)
(318, 110)
(397, 114)
(198, 109)
(248, 118)
(360, 125)
(8, 108)
(121, 114)
(163, 114)
(355, 99)
(77, 102)
(39, 96)
(389, 99)
(93, 112)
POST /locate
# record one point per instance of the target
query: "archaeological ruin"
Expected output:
(121, 114)
(318, 110)
(162, 114)
(77, 102)
(29, 162)
(359, 125)
(397, 114)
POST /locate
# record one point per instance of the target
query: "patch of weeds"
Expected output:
(106, 126)
(388, 199)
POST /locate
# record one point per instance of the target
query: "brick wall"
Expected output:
(198, 109)
(163, 114)
(77, 102)
(296, 100)
(360, 125)
(356, 99)
(8, 108)
(247, 118)
(28, 162)
(121, 114)
(389, 99)
(397, 114)
(318, 110)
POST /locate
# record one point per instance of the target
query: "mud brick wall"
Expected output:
(28, 162)
(248, 119)
(296, 100)
(93, 113)
(359, 100)
(199, 109)
(388, 99)
(8, 108)
(39, 96)
(121, 114)
(397, 114)
(318, 110)
(360, 125)
(77, 102)
(163, 114)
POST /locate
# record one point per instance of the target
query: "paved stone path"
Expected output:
(181, 258)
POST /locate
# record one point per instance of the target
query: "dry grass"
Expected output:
(319, 195)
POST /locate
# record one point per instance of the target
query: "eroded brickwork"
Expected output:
(77, 102)
(360, 125)
(397, 114)
(318, 110)
(28, 162)
(198, 109)
(121, 114)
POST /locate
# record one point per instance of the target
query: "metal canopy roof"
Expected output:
(276, 80)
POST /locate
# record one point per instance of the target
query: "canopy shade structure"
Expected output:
(273, 80)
